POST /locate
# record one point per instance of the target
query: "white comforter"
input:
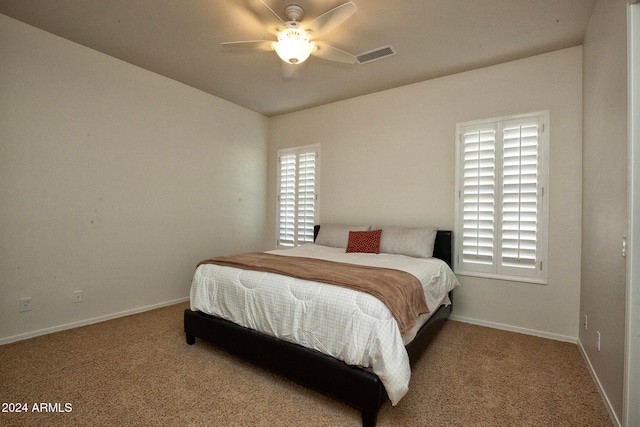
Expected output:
(351, 326)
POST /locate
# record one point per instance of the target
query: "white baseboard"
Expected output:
(517, 329)
(86, 322)
(605, 399)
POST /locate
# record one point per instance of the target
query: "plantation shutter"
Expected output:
(306, 197)
(297, 195)
(501, 216)
(287, 200)
(520, 194)
(478, 194)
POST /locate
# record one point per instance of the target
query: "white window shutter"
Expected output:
(297, 195)
(501, 209)
(520, 194)
(478, 197)
(306, 196)
(287, 200)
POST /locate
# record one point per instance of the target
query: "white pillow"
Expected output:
(414, 242)
(337, 236)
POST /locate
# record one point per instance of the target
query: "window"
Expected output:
(501, 204)
(298, 177)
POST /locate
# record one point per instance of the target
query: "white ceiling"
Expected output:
(181, 39)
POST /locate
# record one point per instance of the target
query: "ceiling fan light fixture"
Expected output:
(293, 46)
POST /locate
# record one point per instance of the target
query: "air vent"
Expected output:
(375, 54)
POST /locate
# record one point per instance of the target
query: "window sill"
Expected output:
(532, 280)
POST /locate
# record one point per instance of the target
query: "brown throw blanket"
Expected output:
(400, 291)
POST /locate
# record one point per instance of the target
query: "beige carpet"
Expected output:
(138, 370)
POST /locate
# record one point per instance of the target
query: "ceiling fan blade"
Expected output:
(331, 53)
(272, 20)
(251, 44)
(330, 20)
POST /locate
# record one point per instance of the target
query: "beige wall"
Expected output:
(388, 158)
(604, 214)
(631, 409)
(115, 181)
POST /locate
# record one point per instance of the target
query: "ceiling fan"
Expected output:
(297, 40)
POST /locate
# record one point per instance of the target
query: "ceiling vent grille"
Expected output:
(375, 54)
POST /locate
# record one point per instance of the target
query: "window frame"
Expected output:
(496, 268)
(301, 228)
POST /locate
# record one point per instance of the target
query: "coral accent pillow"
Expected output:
(364, 241)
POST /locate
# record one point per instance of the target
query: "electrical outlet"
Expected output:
(77, 296)
(585, 322)
(25, 304)
(598, 340)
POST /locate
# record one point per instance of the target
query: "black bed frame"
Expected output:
(356, 386)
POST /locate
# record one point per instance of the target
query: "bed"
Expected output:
(310, 362)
